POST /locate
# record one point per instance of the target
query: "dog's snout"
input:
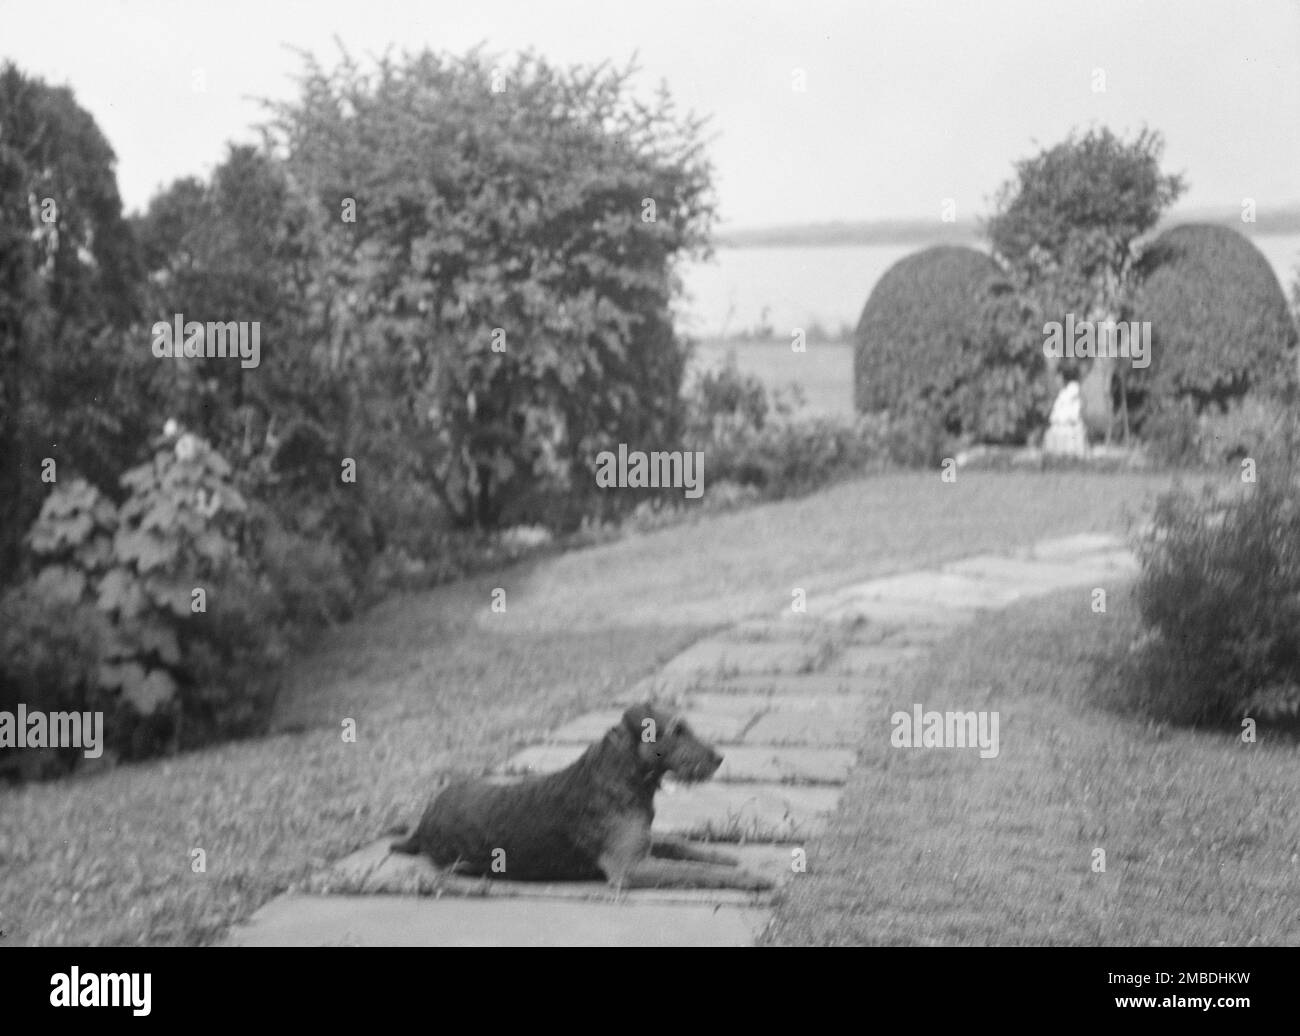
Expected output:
(709, 764)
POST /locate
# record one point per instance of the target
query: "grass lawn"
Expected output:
(1201, 832)
(437, 683)
(824, 372)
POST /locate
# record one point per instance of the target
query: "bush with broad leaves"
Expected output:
(184, 630)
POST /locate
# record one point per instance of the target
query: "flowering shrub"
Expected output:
(184, 628)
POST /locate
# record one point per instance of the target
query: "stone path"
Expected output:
(786, 700)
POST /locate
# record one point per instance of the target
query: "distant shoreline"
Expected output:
(928, 232)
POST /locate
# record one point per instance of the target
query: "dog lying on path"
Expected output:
(590, 820)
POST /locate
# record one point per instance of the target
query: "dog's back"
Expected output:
(536, 829)
(589, 821)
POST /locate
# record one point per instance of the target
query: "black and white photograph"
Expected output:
(700, 474)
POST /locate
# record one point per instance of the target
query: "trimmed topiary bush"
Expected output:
(1220, 324)
(942, 345)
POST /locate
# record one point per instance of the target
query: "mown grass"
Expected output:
(437, 684)
(1200, 830)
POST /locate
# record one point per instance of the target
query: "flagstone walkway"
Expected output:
(786, 700)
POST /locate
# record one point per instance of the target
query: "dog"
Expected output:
(586, 822)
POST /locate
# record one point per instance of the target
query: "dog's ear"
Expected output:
(634, 720)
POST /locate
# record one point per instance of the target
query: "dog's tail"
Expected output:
(410, 846)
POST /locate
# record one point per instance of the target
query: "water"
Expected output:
(826, 287)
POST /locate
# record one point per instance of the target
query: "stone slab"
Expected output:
(819, 685)
(875, 658)
(720, 727)
(373, 870)
(921, 633)
(944, 588)
(719, 657)
(1070, 547)
(1041, 575)
(755, 704)
(786, 764)
(824, 729)
(900, 614)
(505, 921)
(1121, 564)
(796, 629)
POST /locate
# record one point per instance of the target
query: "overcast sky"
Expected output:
(905, 103)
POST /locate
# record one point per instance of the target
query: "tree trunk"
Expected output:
(1095, 396)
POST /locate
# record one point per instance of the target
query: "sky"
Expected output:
(904, 104)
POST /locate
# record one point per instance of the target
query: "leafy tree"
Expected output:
(71, 387)
(507, 283)
(1067, 228)
(230, 250)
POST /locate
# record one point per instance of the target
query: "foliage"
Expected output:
(231, 249)
(163, 658)
(765, 446)
(1219, 596)
(943, 344)
(1220, 323)
(1066, 228)
(1250, 427)
(1066, 224)
(725, 394)
(49, 660)
(70, 389)
(502, 288)
(1171, 431)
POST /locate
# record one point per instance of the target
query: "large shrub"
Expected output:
(493, 258)
(1220, 324)
(942, 343)
(1219, 596)
(184, 629)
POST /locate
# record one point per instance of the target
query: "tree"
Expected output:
(495, 251)
(231, 249)
(68, 290)
(1067, 228)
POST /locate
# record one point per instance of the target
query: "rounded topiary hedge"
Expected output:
(1220, 324)
(941, 344)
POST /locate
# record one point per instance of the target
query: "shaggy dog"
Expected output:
(589, 821)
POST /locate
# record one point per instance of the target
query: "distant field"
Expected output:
(824, 372)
